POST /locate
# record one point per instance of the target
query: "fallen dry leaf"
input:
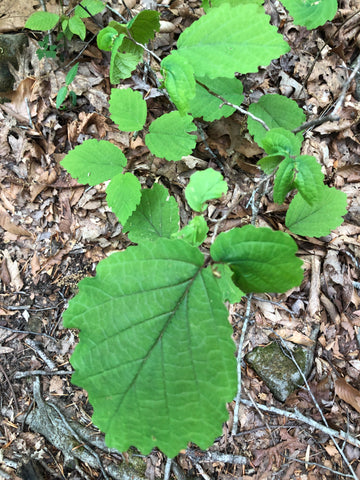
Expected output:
(347, 393)
(7, 224)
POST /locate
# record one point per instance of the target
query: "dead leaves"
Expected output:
(347, 393)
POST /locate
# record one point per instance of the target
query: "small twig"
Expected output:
(116, 13)
(41, 372)
(201, 471)
(41, 354)
(238, 360)
(234, 201)
(210, 457)
(339, 449)
(239, 109)
(316, 122)
(80, 53)
(178, 471)
(319, 465)
(11, 388)
(312, 423)
(27, 332)
(334, 116)
(256, 205)
(78, 439)
(167, 468)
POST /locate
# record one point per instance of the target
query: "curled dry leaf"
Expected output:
(347, 393)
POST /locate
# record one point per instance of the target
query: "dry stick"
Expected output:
(41, 372)
(234, 201)
(236, 107)
(238, 366)
(346, 475)
(27, 332)
(334, 116)
(201, 471)
(339, 449)
(11, 388)
(296, 415)
(167, 468)
(41, 354)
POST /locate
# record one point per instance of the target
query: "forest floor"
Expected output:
(54, 231)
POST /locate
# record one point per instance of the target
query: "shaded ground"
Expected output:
(53, 232)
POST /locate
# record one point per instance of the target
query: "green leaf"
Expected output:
(270, 162)
(309, 177)
(276, 111)
(156, 216)
(281, 141)
(94, 161)
(123, 195)
(155, 351)
(123, 62)
(216, 3)
(284, 180)
(262, 260)
(144, 25)
(208, 106)
(77, 27)
(203, 186)
(321, 217)
(127, 109)
(105, 38)
(223, 274)
(179, 81)
(195, 232)
(168, 136)
(72, 74)
(311, 13)
(42, 21)
(93, 6)
(302, 172)
(60, 97)
(230, 39)
(119, 27)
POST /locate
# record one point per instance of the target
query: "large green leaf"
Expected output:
(155, 351)
(311, 13)
(276, 111)
(231, 39)
(42, 21)
(179, 81)
(94, 161)
(127, 109)
(144, 25)
(204, 185)
(156, 216)
(319, 218)
(206, 105)
(262, 260)
(168, 136)
(123, 195)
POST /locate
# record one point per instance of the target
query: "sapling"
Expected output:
(155, 351)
